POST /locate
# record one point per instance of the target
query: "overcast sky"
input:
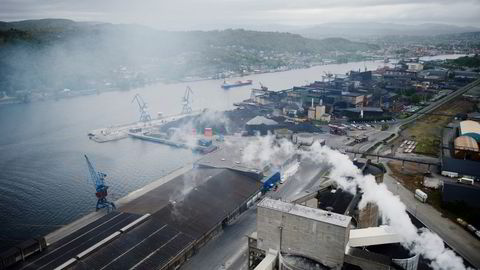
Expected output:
(208, 14)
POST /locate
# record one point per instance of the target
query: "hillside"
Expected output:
(369, 30)
(52, 54)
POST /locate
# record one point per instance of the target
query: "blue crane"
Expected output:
(98, 179)
(142, 105)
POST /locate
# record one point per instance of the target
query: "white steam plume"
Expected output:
(349, 177)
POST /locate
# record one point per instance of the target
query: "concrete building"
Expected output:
(296, 237)
(318, 113)
(302, 231)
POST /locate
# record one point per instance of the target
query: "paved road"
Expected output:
(455, 236)
(308, 174)
(229, 249)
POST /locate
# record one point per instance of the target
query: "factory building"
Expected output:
(452, 167)
(302, 231)
(299, 237)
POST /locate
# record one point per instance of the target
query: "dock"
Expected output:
(159, 226)
(118, 132)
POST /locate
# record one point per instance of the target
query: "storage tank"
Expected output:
(296, 262)
(398, 254)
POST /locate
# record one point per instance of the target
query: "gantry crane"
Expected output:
(187, 101)
(98, 179)
(142, 105)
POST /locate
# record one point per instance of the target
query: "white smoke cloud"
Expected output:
(265, 150)
(350, 178)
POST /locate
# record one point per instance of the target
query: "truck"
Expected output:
(466, 180)
(420, 195)
(270, 181)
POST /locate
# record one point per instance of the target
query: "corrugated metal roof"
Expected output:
(466, 143)
(469, 127)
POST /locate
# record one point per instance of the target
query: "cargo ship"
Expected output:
(227, 85)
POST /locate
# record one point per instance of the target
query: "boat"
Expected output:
(227, 85)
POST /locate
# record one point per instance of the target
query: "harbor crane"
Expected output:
(187, 101)
(142, 105)
(98, 179)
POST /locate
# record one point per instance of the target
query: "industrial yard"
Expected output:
(256, 163)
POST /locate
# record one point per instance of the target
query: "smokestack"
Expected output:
(312, 102)
(321, 102)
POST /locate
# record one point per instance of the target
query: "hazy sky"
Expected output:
(207, 14)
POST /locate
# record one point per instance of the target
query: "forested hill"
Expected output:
(56, 53)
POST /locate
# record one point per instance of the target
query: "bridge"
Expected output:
(423, 161)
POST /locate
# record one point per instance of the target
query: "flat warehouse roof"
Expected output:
(182, 211)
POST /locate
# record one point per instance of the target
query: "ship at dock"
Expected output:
(227, 85)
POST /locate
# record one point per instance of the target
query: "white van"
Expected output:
(421, 196)
(466, 180)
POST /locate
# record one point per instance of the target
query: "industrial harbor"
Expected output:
(263, 172)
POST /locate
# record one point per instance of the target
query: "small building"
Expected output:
(318, 113)
(414, 67)
(260, 124)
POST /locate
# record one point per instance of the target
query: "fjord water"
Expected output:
(43, 176)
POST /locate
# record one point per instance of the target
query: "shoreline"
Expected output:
(172, 82)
